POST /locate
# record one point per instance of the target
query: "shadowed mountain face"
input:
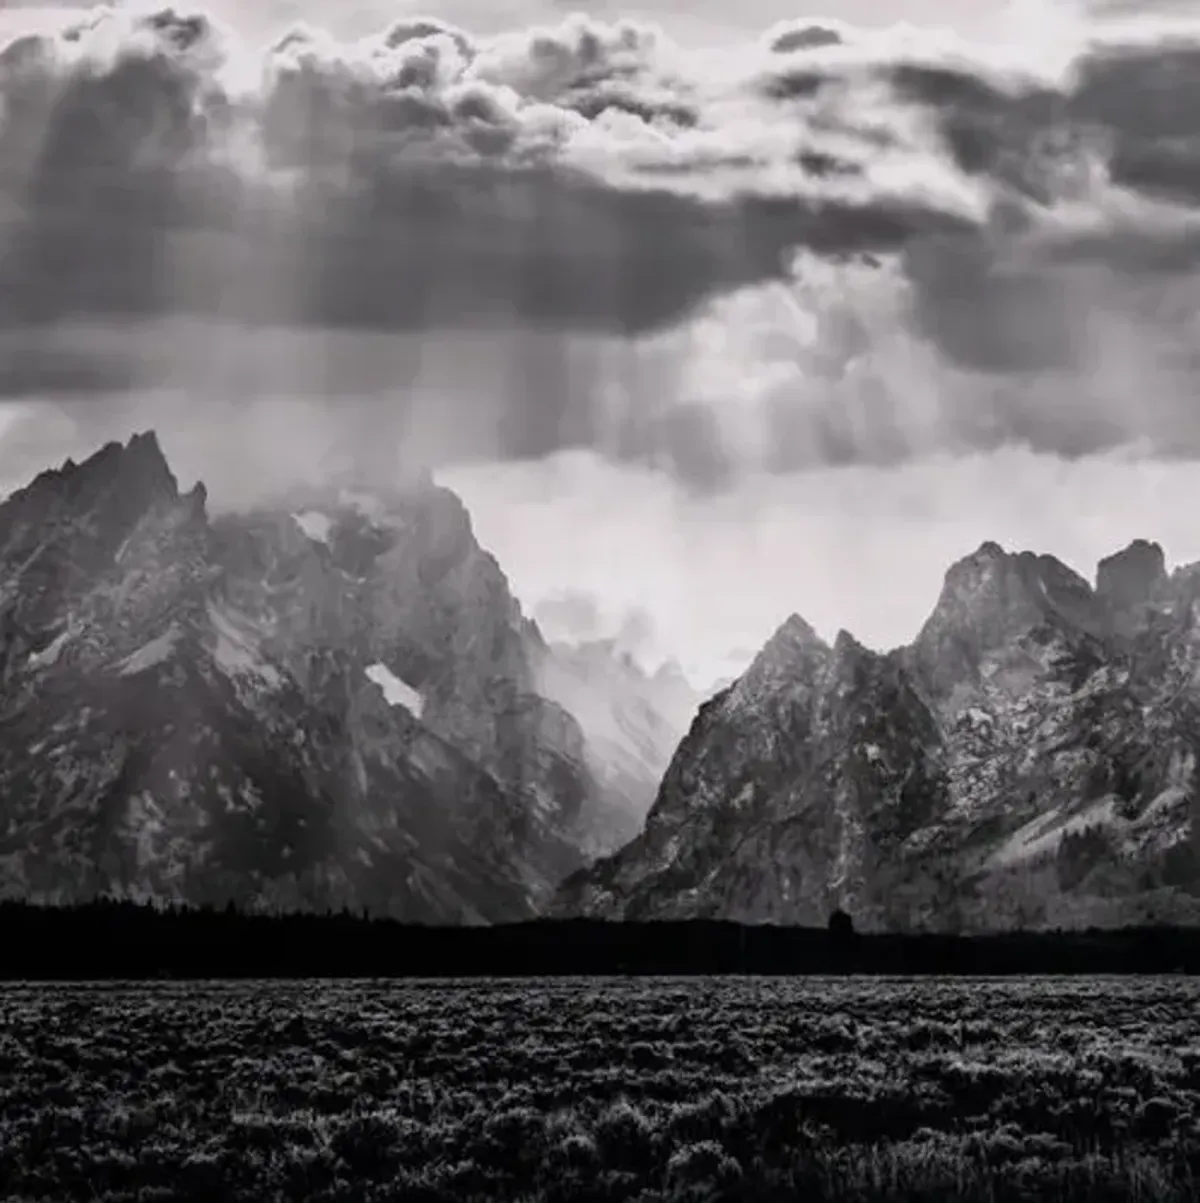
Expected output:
(1028, 761)
(333, 701)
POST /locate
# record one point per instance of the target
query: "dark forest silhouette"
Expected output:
(109, 939)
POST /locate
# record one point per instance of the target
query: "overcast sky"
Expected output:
(711, 312)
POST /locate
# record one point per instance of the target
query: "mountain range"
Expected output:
(330, 701)
(1028, 761)
(334, 700)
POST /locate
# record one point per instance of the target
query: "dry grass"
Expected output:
(739, 1089)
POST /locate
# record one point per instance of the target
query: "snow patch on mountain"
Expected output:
(1044, 834)
(396, 691)
(49, 655)
(315, 525)
(150, 654)
(236, 650)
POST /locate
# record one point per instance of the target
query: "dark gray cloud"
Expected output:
(804, 35)
(1131, 102)
(556, 185)
(1148, 99)
(420, 181)
(990, 316)
(426, 180)
(1093, 167)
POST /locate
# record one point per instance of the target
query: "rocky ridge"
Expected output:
(1029, 760)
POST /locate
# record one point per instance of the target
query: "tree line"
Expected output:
(121, 939)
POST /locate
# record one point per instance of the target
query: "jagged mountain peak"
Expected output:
(141, 459)
(777, 779)
(794, 651)
(1147, 551)
(988, 551)
(76, 522)
(998, 594)
(357, 526)
(847, 647)
(992, 568)
(138, 464)
(793, 634)
(852, 664)
(792, 661)
(993, 600)
(1132, 576)
(145, 443)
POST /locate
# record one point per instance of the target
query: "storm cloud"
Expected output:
(587, 176)
(569, 177)
(828, 246)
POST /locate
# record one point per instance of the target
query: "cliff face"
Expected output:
(330, 701)
(1028, 760)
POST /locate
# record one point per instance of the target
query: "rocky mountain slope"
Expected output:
(1029, 760)
(331, 701)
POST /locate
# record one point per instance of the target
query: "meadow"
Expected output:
(586, 1089)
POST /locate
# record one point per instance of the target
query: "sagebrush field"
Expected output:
(748, 1089)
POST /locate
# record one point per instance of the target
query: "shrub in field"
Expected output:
(626, 1138)
(572, 1161)
(367, 1145)
(701, 1169)
(707, 1118)
(1157, 1117)
(512, 1140)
